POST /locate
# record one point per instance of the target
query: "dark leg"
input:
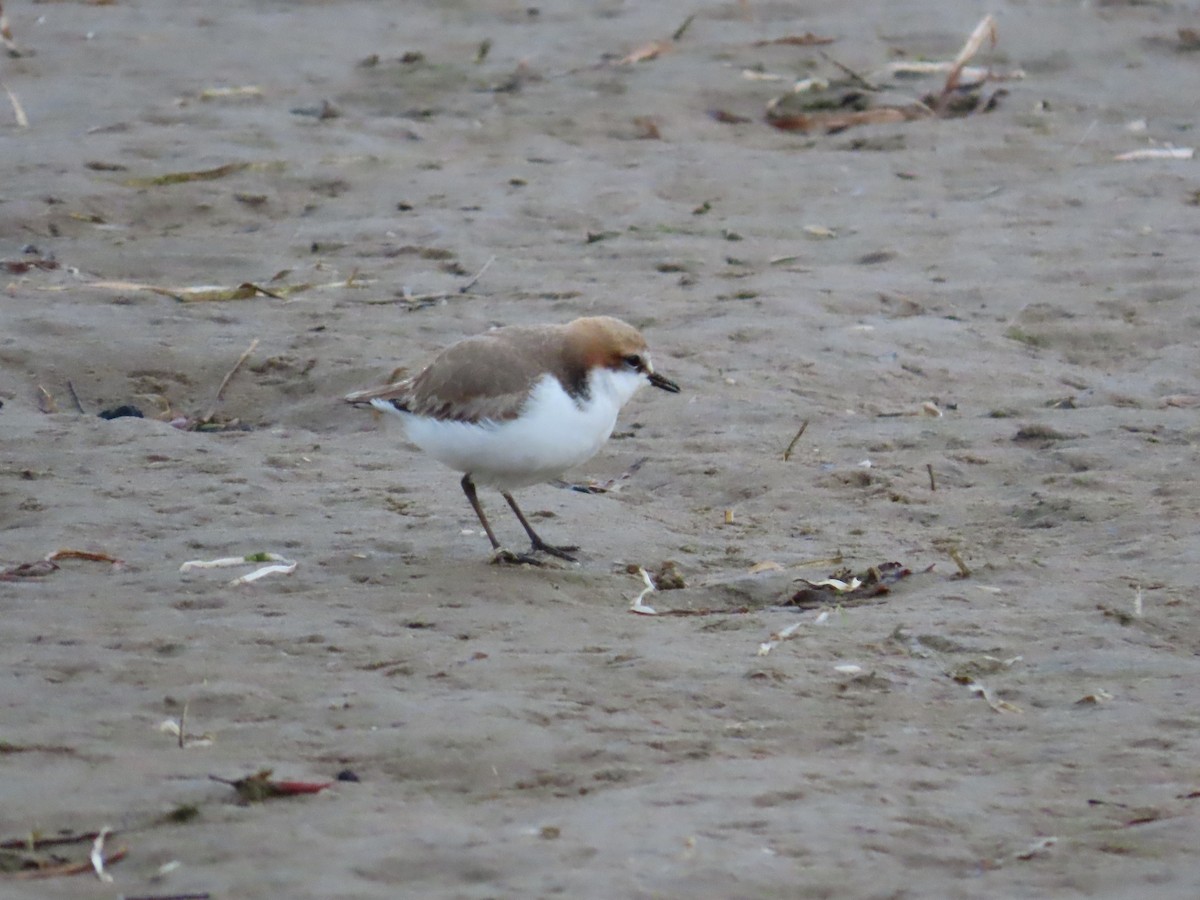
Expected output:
(468, 487)
(538, 543)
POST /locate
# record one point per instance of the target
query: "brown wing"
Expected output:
(484, 377)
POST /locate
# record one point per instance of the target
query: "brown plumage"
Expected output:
(489, 376)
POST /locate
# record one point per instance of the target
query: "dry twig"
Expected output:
(984, 31)
(420, 301)
(74, 396)
(18, 109)
(787, 454)
(212, 410)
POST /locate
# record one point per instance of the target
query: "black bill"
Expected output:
(665, 383)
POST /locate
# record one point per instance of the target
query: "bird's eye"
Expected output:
(634, 362)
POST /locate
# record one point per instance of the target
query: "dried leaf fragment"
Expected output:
(86, 555)
(649, 50)
(37, 569)
(226, 93)
(66, 868)
(845, 588)
(182, 177)
(21, 266)
(820, 231)
(259, 787)
(808, 39)
(835, 121)
(247, 290)
(727, 118)
(647, 128)
(1179, 401)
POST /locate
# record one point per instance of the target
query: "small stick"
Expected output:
(958, 561)
(73, 868)
(932, 483)
(787, 454)
(18, 109)
(212, 410)
(417, 301)
(204, 896)
(470, 284)
(46, 402)
(682, 28)
(182, 723)
(824, 561)
(984, 31)
(74, 397)
(854, 76)
(36, 843)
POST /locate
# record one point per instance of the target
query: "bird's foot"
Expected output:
(540, 546)
(502, 556)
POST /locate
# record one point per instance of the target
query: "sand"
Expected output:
(518, 732)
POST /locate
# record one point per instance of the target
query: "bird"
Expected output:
(519, 405)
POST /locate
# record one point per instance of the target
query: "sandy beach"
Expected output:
(985, 324)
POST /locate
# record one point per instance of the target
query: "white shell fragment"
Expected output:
(836, 583)
(783, 634)
(1156, 153)
(172, 728)
(279, 566)
(1037, 848)
(637, 606)
(998, 705)
(98, 855)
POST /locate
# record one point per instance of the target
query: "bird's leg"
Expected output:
(468, 487)
(499, 554)
(538, 543)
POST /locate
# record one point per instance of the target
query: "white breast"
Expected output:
(552, 434)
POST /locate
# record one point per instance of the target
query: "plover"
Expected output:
(519, 405)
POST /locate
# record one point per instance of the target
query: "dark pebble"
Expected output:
(122, 412)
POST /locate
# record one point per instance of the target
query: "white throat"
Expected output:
(615, 387)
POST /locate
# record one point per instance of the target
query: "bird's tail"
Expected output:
(394, 394)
